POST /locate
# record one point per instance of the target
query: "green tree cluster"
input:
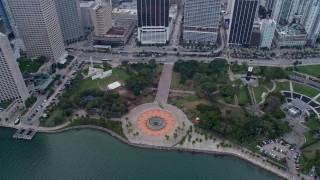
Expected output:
(142, 75)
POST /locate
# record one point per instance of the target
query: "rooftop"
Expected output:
(293, 29)
(117, 31)
(86, 4)
(114, 85)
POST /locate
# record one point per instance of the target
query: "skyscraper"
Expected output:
(38, 23)
(153, 21)
(201, 21)
(284, 10)
(12, 86)
(311, 20)
(242, 18)
(70, 20)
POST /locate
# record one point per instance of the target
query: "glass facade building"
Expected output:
(242, 20)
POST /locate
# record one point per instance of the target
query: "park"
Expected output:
(195, 104)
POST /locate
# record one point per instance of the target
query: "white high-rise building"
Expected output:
(311, 20)
(13, 90)
(201, 21)
(267, 29)
(69, 15)
(284, 10)
(38, 24)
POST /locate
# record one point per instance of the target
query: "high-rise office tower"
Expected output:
(311, 20)
(201, 21)
(153, 21)
(284, 10)
(101, 17)
(38, 23)
(267, 28)
(70, 20)
(243, 13)
(12, 86)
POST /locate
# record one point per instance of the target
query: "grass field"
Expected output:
(258, 92)
(29, 66)
(313, 70)
(310, 151)
(306, 90)
(282, 86)
(117, 75)
(243, 96)
(268, 85)
(313, 123)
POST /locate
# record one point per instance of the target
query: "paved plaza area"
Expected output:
(157, 123)
(176, 123)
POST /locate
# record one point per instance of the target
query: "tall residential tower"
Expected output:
(201, 21)
(311, 20)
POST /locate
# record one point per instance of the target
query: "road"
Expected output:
(96, 57)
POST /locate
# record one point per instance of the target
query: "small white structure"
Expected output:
(293, 111)
(102, 75)
(93, 71)
(114, 86)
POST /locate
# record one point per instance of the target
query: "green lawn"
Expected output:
(310, 151)
(313, 123)
(313, 70)
(309, 137)
(258, 92)
(29, 66)
(282, 86)
(243, 96)
(268, 85)
(306, 90)
(117, 75)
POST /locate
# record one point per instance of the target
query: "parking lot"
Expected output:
(276, 148)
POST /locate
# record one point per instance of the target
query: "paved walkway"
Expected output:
(164, 84)
(291, 86)
(316, 97)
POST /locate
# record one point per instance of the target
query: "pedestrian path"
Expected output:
(316, 97)
(164, 84)
(291, 87)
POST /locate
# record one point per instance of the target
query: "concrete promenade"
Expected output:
(164, 84)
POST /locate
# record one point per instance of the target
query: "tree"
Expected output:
(227, 91)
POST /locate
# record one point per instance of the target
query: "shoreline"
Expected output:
(161, 148)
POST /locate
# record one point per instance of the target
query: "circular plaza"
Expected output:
(155, 124)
